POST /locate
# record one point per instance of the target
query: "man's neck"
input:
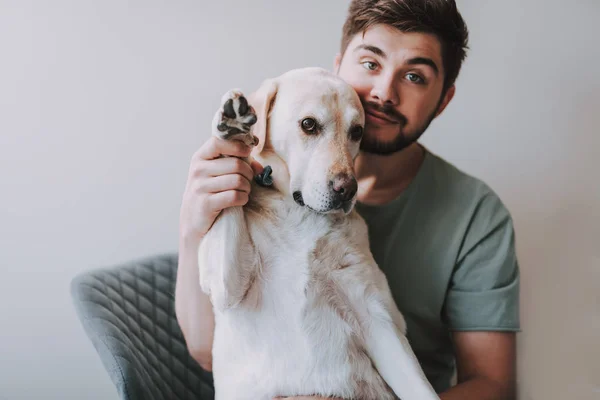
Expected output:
(383, 178)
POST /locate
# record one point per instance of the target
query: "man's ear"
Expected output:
(337, 62)
(446, 100)
(262, 101)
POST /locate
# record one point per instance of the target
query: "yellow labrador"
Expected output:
(301, 308)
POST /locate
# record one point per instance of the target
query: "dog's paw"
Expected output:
(235, 118)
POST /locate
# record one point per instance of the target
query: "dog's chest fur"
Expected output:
(294, 332)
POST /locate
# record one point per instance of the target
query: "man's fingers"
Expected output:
(215, 147)
(229, 198)
(223, 183)
(256, 167)
(226, 166)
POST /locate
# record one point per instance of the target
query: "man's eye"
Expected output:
(370, 65)
(414, 78)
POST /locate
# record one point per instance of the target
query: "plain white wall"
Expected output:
(102, 103)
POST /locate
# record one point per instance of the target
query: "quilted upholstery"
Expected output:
(128, 313)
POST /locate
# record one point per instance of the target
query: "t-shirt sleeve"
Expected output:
(483, 292)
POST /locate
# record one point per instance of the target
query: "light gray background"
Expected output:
(102, 103)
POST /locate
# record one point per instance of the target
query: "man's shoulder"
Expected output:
(450, 178)
(481, 242)
(456, 189)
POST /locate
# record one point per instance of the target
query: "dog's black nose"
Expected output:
(344, 187)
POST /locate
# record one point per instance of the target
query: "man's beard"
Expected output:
(372, 145)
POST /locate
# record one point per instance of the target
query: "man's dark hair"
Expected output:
(438, 17)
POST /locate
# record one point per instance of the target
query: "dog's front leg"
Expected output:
(394, 359)
(383, 328)
(388, 347)
(227, 259)
(226, 256)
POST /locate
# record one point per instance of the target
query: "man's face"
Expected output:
(399, 78)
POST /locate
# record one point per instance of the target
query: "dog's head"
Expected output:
(310, 124)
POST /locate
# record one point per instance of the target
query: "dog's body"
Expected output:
(301, 307)
(294, 331)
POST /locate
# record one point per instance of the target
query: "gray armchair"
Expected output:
(128, 313)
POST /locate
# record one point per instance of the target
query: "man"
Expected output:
(443, 238)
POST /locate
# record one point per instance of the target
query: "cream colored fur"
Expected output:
(301, 307)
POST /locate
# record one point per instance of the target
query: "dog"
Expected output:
(301, 307)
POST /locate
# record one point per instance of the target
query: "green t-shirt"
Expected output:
(447, 247)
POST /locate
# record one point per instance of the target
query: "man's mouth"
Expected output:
(382, 118)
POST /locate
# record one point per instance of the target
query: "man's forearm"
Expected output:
(192, 306)
(478, 389)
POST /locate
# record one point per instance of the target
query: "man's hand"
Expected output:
(214, 184)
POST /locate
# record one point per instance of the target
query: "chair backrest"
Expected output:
(128, 313)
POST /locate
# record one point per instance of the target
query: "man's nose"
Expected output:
(385, 91)
(344, 187)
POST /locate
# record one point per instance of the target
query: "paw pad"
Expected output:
(235, 118)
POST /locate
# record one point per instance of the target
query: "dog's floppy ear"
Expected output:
(262, 101)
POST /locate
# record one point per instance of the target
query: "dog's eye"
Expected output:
(309, 125)
(356, 132)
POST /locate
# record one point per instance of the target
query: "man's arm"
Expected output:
(192, 306)
(486, 366)
(213, 184)
(481, 308)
